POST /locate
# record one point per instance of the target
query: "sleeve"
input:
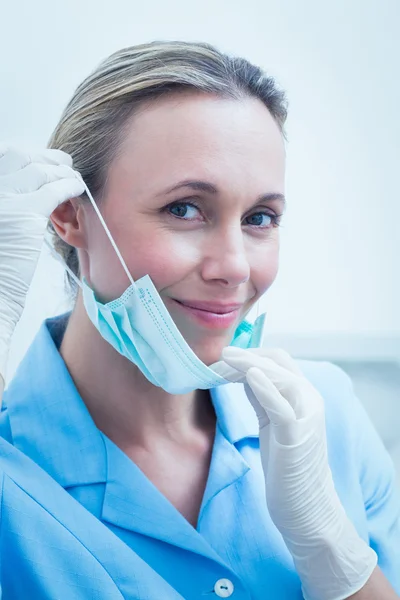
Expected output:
(1, 511)
(381, 495)
(5, 429)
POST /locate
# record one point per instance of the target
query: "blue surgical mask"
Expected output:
(139, 326)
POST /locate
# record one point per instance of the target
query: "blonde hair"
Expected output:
(92, 124)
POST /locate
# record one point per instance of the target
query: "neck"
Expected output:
(122, 402)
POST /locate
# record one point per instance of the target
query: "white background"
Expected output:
(338, 291)
(338, 61)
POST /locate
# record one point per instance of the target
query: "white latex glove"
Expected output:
(333, 562)
(31, 188)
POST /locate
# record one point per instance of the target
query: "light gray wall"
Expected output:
(339, 62)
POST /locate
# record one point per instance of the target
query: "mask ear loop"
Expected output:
(102, 221)
(262, 335)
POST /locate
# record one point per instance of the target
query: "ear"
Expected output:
(69, 223)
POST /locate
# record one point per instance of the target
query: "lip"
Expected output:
(213, 315)
(213, 307)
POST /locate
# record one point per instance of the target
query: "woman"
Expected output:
(130, 469)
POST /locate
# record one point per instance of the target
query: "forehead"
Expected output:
(197, 135)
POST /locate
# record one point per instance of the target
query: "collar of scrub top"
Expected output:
(51, 424)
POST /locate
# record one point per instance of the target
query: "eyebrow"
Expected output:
(209, 188)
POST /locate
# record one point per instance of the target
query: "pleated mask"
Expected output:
(139, 326)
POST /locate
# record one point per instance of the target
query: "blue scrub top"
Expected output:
(80, 521)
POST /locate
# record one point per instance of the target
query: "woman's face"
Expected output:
(193, 199)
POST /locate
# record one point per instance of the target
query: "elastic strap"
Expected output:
(102, 221)
(110, 237)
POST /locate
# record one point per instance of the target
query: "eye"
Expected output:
(263, 220)
(183, 210)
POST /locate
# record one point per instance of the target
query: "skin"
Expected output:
(211, 253)
(235, 146)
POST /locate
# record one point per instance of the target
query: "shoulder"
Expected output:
(5, 428)
(324, 374)
(336, 388)
(350, 431)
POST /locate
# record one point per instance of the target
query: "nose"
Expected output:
(225, 258)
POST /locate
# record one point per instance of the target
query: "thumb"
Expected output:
(263, 418)
(278, 409)
(227, 372)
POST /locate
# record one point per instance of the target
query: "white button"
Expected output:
(224, 588)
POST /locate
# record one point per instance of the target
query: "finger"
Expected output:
(3, 149)
(234, 376)
(32, 177)
(243, 360)
(263, 418)
(46, 199)
(275, 405)
(13, 160)
(227, 372)
(286, 382)
(53, 156)
(55, 193)
(281, 357)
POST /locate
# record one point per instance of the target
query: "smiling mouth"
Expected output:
(211, 307)
(210, 314)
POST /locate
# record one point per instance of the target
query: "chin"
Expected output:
(210, 351)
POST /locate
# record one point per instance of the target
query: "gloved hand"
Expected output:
(333, 562)
(31, 187)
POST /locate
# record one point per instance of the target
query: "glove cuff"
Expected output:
(5, 339)
(336, 569)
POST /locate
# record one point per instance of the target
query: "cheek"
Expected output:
(265, 265)
(166, 258)
(163, 260)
